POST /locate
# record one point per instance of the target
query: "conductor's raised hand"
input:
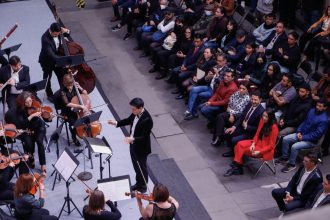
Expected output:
(112, 122)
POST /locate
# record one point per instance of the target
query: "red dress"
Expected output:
(266, 145)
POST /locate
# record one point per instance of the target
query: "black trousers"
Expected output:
(48, 72)
(142, 160)
(11, 101)
(279, 194)
(221, 123)
(238, 135)
(3, 61)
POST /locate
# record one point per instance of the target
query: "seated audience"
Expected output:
(228, 5)
(95, 209)
(264, 8)
(301, 186)
(229, 34)
(307, 135)
(258, 72)
(236, 50)
(265, 29)
(321, 197)
(201, 93)
(219, 100)
(236, 105)
(272, 76)
(248, 61)
(201, 25)
(296, 111)
(262, 145)
(246, 126)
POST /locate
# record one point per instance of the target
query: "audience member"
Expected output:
(236, 105)
(262, 145)
(321, 196)
(312, 11)
(271, 78)
(307, 135)
(301, 186)
(246, 126)
(264, 9)
(265, 29)
(228, 5)
(235, 51)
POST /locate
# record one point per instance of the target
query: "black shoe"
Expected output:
(153, 69)
(176, 91)
(160, 76)
(234, 171)
(289, 167)
(134, 187)
(180, 96)
(216, 142)
(116, 28)
(281, 160)
(189, 116)
(228, 154)
(77, 151)
(127, 35)
(137, 48)
(31, 162)
(77, 143)
(142, 189)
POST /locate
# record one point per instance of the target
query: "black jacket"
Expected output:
(280, 41)
(23, 75)
(313, 198)
(293, 54)
(253, 121)
(295, 113)
(310, 185)
(141, 133)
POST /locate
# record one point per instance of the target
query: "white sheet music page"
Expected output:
(65, 165)
(115, 190)
(101, 149)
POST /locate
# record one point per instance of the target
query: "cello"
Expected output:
(94, 128)
(85, 76)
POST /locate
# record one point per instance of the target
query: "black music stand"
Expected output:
(100, 146)
(35, 87)
(9, 50)
(65, 166)
(73, 60)
(86, 121)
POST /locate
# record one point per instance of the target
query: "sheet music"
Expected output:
(65, 165)
(200, 74)
(115, 190)
(101, 149)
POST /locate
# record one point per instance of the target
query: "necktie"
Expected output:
(248, 115)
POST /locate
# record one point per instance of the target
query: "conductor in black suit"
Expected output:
(50, 43)
(141, 124)
(17, 76)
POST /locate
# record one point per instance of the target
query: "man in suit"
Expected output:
(302, 185)
(16, 76)
(139, 140)
(246, 125)
(321, 196)
(50, 43)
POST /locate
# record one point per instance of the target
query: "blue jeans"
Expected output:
(197, 93)
(296, 146)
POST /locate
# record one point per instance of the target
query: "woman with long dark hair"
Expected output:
(95, 209)
(262, 145)
(272, 77)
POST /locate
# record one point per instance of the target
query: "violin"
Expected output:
(46, 111)
(140, 196)
(5, 161)
(38, 179)
(10, 130)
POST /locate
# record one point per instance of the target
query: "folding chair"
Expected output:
(269, 163)
(9, 204)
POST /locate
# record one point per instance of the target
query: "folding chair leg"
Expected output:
(67, 133)
(261, 166)
(273, 169)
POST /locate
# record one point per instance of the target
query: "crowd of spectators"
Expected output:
(245, 83)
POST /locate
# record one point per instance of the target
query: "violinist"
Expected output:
(13, 78)
(27, 207)
(163, 206)
(70, 109)
(21, 118)
(95, 209)
(50, 44)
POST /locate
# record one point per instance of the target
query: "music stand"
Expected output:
(9, 50)
(100, 146)
(35, 87)
(85, 121)
(73, 60)
(114, 188)
(65, 166)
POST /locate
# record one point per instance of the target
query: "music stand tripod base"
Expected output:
(84, 176)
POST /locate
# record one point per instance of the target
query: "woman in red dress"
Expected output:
(262, 145)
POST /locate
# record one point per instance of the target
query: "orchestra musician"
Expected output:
(16, 76)
(7, 173)
(95, 209)
(27, 207)
(69, 109)
(163, 205)
(23, 120)
(50, 44)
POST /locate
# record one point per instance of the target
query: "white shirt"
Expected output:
(302, 181)
(136, 119)
(14, 76)
(320, 199)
